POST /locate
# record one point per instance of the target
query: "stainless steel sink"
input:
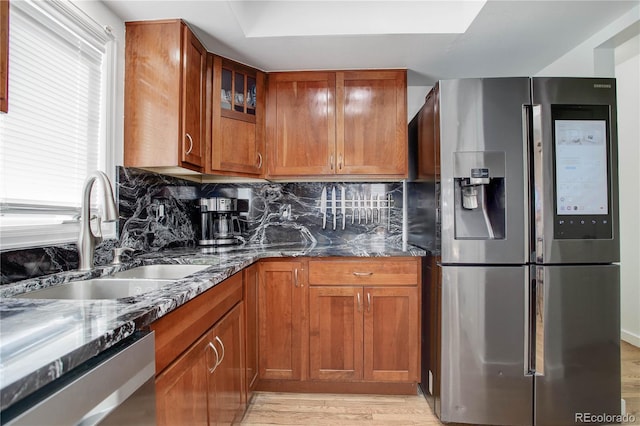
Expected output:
(98, 288)
(165, 272)
(132, 282)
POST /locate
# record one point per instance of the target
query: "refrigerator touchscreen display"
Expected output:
(581, 170)
(581, 167)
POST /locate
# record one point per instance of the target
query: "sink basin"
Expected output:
(132, 282)
(165, 272)
(98, 288)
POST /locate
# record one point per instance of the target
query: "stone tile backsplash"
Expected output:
(159, 212)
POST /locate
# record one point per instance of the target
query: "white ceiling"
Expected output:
(506, 38)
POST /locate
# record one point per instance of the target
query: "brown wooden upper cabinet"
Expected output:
(428, 139)
(4, 55)
(301, 136)
(165, 96)
(345, 123)
(237, 126)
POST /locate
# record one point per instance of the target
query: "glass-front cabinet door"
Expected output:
(237, 127)
(238, 91)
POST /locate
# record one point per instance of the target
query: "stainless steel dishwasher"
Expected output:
(116, 387)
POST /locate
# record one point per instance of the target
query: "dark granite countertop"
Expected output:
(40, 340)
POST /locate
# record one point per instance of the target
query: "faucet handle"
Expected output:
(97, 219)
(118, 252)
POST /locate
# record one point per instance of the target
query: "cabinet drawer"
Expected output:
(378, 271)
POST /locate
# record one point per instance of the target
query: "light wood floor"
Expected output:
(269, 408)
(630, 378)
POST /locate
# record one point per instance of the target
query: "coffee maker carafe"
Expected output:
(220, 222)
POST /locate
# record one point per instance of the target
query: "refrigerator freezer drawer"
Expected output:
(580, 343)
(483, 346)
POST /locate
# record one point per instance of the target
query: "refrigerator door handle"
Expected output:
(538, 183)
(529, 320)
(526, 161)
(539, 322)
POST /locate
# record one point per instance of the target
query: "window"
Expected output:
(57, 129)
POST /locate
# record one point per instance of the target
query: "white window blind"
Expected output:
(55, 132)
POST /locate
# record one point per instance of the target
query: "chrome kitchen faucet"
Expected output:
(87, 240)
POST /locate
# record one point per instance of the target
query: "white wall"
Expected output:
(613, 52)
(594, 57)
(627, 70)
(103, 16)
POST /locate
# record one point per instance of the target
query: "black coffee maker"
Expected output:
(220, 219)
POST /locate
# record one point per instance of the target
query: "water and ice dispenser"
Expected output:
(479, 195)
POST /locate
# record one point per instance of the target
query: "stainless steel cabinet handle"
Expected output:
(259, 160)
(222, 347)
(340, 161)
(190, 144)
(359, 303)
(363, 274)
(368, 302)
(212, 369)
(331, 161)
(295, 277)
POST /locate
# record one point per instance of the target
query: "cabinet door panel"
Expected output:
(371, 122)
(251, 309)
(237, 124)
(152, 130)
(239, 151)
(227, 381)
(301, 123)
(426, 140)
(280, 312)
(335, 333)
(391, 334)
(193, 99)
(181, 390)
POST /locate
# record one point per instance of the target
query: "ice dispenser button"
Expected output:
(479, 176)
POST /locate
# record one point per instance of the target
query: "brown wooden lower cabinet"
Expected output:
(363, 333)
(278, 326)
(321, 332)
(181, 390)
(226, 381)
(335, 333)
(391, 334)
(205, 383)
(281, 317)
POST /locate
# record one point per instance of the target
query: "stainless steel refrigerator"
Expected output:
(520, 209)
